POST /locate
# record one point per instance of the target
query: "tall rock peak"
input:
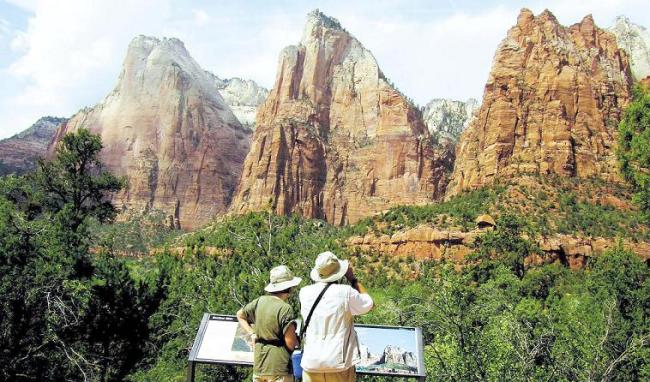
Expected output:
(334, 140)
(550, 106)
(447, 119)
(525, 16)
(168, 130)
(635, 40)
(242, 96)
(317, 19)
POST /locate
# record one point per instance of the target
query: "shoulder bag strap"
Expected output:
(303, 331)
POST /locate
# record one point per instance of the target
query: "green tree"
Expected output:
(634, 147)
(64, 314)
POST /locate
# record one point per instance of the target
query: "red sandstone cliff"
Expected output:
(551, 105)
(334, 139)
(167, 129)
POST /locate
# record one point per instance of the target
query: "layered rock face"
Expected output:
(166, 128)
(635, 40)
(448, 118)
(427, 242)
(397, 355)
(243, 97)
(334, 140)
(19, 153)
(551, 105)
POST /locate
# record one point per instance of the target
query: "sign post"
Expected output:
(390, 351)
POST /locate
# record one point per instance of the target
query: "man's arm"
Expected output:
(290, 337)
(354, 282)
(360, 303)
(243, 322)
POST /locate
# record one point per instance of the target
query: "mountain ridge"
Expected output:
(19, 153)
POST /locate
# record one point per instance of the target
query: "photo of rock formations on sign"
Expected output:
(242, 341)
(387, 350)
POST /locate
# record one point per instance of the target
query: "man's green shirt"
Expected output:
(271, 317)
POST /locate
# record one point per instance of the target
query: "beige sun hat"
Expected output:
(328, 268)
(281, 279)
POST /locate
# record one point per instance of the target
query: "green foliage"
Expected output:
(550, 324)
(65, 314)
(492, 320)
(69, 313)
(460, 210)
(73, 184)
(634, 147)
(503, 246)
(595, 219)
(137, 234)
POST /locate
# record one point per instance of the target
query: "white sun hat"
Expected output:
(281, 279)
(329, 268)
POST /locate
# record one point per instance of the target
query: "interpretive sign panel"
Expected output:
(390, 350)
(384, 350)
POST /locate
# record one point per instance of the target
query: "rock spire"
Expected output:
(334, 139)
(551, 105)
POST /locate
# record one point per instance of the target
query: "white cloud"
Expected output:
(201, 17)
(70, 53)
(5, 28)
(443, 57)
(29, 5)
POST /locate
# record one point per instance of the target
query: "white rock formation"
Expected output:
(395, 354)
(243, 97)
(367, 358)
(168, 130)
(635, 40)
(448, 118)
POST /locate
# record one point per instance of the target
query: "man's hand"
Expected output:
(349, 274)
(243, 322)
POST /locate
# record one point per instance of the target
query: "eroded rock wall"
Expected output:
(334, 140)
(551, 105)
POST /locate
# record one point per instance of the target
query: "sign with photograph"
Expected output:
(221, 340)
(384, 350)
(390, 350)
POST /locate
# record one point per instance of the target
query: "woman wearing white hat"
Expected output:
(275, 328)
(331, 348)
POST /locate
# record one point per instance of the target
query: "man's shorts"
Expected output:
(349, 375)
(272, 378)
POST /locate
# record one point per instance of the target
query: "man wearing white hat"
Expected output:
(275, 328)
(331, 348)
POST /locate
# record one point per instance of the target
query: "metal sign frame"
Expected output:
(198, 340)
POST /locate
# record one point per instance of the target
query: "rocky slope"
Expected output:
(635, 40)
(427, 242)
(243, 97)
(19, 153)
(551, 105)
(448, 118)
(166, 128)
(334, 140)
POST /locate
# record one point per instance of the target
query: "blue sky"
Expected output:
(57, 56)
(377, 339)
